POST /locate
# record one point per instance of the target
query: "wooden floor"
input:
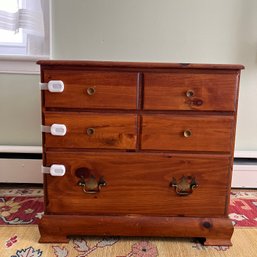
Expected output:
(244, 245)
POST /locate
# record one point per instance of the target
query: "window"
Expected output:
(11, 42)
(24, 32)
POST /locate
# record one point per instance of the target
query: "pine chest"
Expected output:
(138, 149)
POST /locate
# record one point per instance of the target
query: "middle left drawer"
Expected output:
(92, 130)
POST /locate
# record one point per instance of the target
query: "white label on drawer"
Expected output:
(58, 130)
(56, 170)
(55, 86)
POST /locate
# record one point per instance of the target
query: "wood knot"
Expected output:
(207, 224)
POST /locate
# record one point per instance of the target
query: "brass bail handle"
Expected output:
(92, 186)
(184, 186)
(88, 181)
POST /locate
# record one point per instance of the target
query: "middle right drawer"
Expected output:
(186, 132)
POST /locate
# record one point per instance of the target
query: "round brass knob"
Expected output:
(90, 131)
(187, 133)
(190, 93)
(91, 90)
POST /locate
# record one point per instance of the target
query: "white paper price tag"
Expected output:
(58, 129)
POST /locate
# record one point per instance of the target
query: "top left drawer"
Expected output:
(92, 89)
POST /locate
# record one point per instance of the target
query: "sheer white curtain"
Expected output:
(29, 17)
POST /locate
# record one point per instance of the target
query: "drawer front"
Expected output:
(91, 130)
(187, 132)
(112, 90)
(182, 91)
(137, 184)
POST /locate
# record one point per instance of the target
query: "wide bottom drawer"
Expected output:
(137, 184)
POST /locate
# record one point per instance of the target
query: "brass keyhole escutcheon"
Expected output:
(187, 133)
(190, 93)
(90, 131)
(91, 91)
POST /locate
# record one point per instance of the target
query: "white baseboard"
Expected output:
(29, 170)
(244, 176)
(20, 149)
(245, 169)
(20, 171)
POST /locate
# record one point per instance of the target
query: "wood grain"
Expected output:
(166, 132)
(212, 92)
(71, 64)
(138, 184)
(111, 131)
(56, 228)
(113, 90)
(139, 112)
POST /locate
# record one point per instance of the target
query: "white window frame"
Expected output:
(26, 64)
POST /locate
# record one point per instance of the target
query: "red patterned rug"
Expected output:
(21, 206)
(243, 208)
(25, 206)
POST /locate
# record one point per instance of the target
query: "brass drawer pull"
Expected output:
(88, 181)
(190, 93)
(184, 186)
(187, 133)
(91, 90)
(90, 131)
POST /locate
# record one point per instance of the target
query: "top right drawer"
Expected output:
(190, 91)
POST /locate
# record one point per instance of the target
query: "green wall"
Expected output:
(200, 31)
(19, 110)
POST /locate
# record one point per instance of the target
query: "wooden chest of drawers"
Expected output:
(138, 149)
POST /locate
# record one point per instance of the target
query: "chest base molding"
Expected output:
(57, 228)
